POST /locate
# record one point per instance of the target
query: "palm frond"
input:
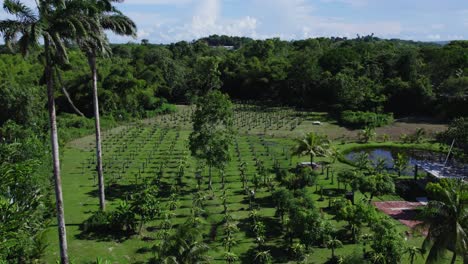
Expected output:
(61, 55)
(119, 24)
(20, 10)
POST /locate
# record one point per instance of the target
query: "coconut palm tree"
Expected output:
(53, 22)
(312, 144)
(445, 220)
(107, 18)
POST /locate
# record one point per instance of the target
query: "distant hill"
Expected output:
(442, 43)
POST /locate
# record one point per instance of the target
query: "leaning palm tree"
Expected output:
(107, 17)
(312, 144)
(445, 220)
(53, 22)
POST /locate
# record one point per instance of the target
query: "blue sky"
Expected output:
(165, 21)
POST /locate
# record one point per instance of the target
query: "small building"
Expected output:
(309, 164)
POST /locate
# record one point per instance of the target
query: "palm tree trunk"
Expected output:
(454, 258)
(102, 195)
(210, 180)
(55, 156)
(67, 95)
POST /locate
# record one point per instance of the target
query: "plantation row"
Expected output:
(138, 158)
(256, 211)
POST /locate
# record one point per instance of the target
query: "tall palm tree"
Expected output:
(312, 144)
(445, 220)
(55, 22)
(107, 17)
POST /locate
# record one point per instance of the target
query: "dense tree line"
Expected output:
(363, 74)
(366, 74)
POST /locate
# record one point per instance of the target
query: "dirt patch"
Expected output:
(403, 211)
(395, 130)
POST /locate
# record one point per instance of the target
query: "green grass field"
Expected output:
(135, 152)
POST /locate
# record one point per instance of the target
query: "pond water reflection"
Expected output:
(413, 156)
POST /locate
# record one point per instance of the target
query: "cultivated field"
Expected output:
(155, 151)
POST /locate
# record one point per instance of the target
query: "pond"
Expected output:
(414, 156)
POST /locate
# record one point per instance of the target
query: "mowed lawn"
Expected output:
(127, 148)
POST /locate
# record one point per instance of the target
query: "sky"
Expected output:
(167, 21)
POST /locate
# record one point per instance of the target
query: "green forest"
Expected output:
(365, 74)
(225, 149)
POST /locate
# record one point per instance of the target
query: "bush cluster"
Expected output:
(359, 119)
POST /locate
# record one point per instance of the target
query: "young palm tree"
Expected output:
(263, 257)
(108, 18)
(377, 258)
(400, 163)
(445, 220)
(230, 257)
(54, 22)
(229, 242)
(367, 134)
(333, 244)
(184, 246)
(413, 252)
(312, 144)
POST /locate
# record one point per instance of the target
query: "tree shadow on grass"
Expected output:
(332, 192)
(273, 227)
(279, 254)
(144, 250)
(116, 191)
(265, 202)
(104, 235)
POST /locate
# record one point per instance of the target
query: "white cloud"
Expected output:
(350, 30)
(157, 2)
(355, 3)
(438, 26)
(433, 36)
(455, 37)
(207, 20)
(300, 19)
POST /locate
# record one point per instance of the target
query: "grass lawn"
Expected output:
(135, 152)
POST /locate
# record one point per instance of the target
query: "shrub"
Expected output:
(97, 222)
(74, 121)
(360, 119)
(121, 220)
